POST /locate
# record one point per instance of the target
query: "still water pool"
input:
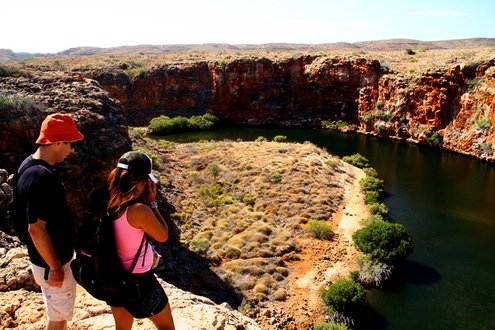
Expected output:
(446, 202)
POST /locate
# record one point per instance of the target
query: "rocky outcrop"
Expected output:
(451, 107)
(26, 101)
(21, 303)
(169, 89)
(299, 91)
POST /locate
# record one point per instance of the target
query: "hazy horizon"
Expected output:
(52, 26)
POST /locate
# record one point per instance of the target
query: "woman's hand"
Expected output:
(150, 192)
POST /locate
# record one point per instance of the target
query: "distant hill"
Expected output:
(376, 45)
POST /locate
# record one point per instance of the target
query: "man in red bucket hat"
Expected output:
(39, 195)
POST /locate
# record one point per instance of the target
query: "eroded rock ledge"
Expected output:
(451, 106)
(22, 303)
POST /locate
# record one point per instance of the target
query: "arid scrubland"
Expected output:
(405, 61)
(245, 206)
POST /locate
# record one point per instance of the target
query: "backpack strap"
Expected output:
(143, 240)
(18, 213)
(136, 257)
(22, 169)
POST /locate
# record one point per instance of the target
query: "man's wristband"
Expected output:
(153, 205)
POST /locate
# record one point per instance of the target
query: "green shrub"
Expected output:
(368, 118)
(379, 104)
(483, 123)
(385, 116)
(6, 102)
(373, 218)
(332, 163)
(435, 139)
(201, 123)
(370, 171)
(213, 169)
(320, 229)
(280, 138)
(357, 160)
(372, 197)
(210, 193)
(249, 199)
(9, 72)
(135, 133)
(384, 242)
(22, 104)
(260, 139)
(166, 125)
(345, 299)
(410, 51)
(330, 326)
(378, 208)
(334, 125)
(371, 183)
(201, 244)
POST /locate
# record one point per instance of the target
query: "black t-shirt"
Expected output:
(43, 192)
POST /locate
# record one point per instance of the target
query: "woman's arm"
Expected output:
(149, 219)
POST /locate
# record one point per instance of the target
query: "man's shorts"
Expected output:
(59, 302)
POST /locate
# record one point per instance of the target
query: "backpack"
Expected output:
(97, 267)
(17, 207)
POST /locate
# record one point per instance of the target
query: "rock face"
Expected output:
(28, 99)
(299, 91)
(451, 107)
(21, 303)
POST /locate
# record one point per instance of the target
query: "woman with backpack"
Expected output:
(132, 194)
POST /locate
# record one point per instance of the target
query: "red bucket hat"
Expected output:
(58, 127)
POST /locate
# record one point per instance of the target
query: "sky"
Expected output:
(50, 26)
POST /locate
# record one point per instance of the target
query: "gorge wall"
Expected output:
(298, 91)
(450, 107)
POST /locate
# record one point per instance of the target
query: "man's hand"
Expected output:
(56, 277)
(43, 244)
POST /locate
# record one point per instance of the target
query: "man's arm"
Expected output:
(43, 244)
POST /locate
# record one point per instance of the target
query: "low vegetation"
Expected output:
(242, 205)
(165, 125)
(345, 300)
(338, 125)
(384, 244)
(9, 72)
(357, 160)
(20, 105)
(384, 241)
(320, 229)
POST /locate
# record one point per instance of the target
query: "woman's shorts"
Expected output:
(152, 299)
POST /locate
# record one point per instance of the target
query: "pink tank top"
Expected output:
(128, 240)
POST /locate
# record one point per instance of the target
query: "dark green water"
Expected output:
(447, 203)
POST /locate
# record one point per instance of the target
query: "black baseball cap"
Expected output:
(138, 163)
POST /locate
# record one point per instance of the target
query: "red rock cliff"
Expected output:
(296, 92)
(449, 107)
(452, 108)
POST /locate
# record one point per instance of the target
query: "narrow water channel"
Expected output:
(446, 202)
